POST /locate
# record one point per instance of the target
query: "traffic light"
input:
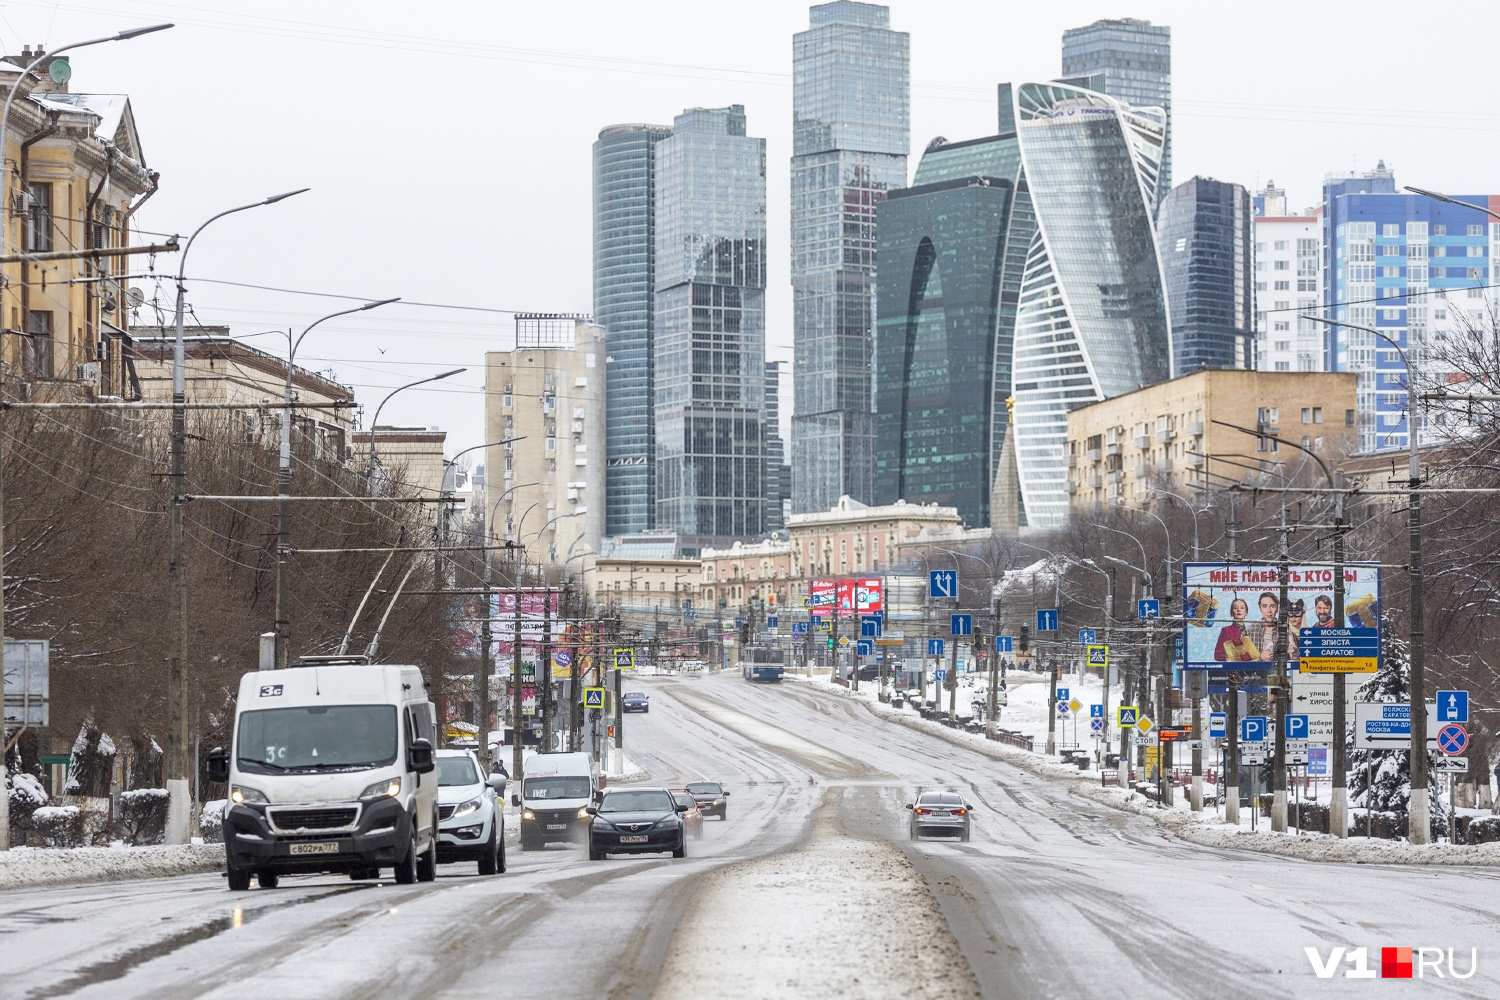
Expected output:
(830, 643)
(1025, 638)
(745, 634)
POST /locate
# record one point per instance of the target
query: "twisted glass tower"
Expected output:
(850, 110)
(624, 280)
(1092, 318)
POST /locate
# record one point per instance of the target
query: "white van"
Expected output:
(556, 788)
(330, 770)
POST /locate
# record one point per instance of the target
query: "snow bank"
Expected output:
(30, 866)
(1202, 828)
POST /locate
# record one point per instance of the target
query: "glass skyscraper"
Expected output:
(851, 133)
(1204, 230)
(1092, 320)
(710, 375)
(952, 251)
(1130, 60)
(624, 281)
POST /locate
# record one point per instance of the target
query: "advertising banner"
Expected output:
(1230, 610)
(821, 595)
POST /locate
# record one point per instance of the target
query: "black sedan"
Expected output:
(636, 821)
(710, 796)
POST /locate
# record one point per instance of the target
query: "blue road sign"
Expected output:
(1126, 715)
(771, 621)
(1177, 649)
(593, 697)
(624, 659)
(1063, 708)
(869, 628)
(1096, 725)
(1217, 721)
(1453, 706)
(799, 628)
(1046, 621)
(825, 626)
(1062, 694)
(942, 583)
(563, 657)
(865, 647)
(1295, 726)
(1085, 636)
(1253, 728)
(940, 675)
(1098, 656)
(1317, 762)
(1150, 607)
(1355, 642)
(962, 624)
(1096, 711)
(1452, 739)
(1005, 644)
(934, 647)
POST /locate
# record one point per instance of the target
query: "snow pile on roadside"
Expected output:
(32, 866)
(874, 928)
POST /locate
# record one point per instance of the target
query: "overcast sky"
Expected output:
(447, 144)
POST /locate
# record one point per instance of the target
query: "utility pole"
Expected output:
(992, 703)
(1229, 781)
(1109, 624)
(1338, 803)
(517, 706)
(1418, 828)
(544, 668)
(482, 678)
(1283, 571)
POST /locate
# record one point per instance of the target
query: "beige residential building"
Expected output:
(220, 369)
(546, 490)
(760, 570)
(629, 583)
(1164, 437)
(854, 539)
(408, 458)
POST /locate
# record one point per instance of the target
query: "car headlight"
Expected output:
(527, 814)
(387, 789)
(666, 822)
(600, 821)
(584, 813)
(239, 794)
(464, 808)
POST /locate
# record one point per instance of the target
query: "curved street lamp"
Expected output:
(375, 421)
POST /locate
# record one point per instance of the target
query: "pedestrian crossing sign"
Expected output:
(593, 697)
(624, 659)
(1098, 656)
(1125, 716)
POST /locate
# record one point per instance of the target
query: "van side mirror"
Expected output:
(218, 764)
(420, 757)
(497, 782)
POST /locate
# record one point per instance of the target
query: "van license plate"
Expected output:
(322, 847)
(633, 839)
(557, 826)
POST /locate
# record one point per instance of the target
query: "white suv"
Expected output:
(471, 818)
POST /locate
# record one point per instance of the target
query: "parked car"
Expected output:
(635, 701)
(943, 813)
(471, 820)
(710, 796)
(692, 816)
(636, 821)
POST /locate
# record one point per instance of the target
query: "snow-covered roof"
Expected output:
(108, 108)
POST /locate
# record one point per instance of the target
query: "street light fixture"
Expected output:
(375, 421)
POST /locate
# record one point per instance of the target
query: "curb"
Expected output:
(35, 867)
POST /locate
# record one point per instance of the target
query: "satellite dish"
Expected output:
(60, 71)
(135, 297)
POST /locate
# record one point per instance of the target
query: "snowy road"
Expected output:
(1053, 897)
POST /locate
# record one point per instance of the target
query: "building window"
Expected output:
(1439, 251)
(1281, 244)
(43, 342)
(1312, 414)
(1284, 286)
(1348, 418)
(1390, 229)
(1390, 250)
(1439, 229)
(1283, 366)
(1476, 230)
(1283, 324)
(39, 217)
(1283, 265)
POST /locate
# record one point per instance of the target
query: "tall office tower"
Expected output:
(1288, 285)
(1418, 270)
(710, 329)
(778, 471)
(952, 252)
(1130, 60)
(624, 286)
(1092, 320)
(850, 113)
(1204, 231)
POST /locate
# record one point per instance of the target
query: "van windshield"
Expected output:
(317, 738)
(556, 788)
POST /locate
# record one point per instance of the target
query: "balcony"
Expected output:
(1193, 460)
(1072, 487)
(1115, 475)
(1113, 449)
(1072, 461)
(1143, 470)
(1143, 442)
(1093, 454)
(1095, 481)
(1194, 429)
(1166, 435)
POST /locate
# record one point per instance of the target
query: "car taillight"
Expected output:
(921, 812)
(959, 812)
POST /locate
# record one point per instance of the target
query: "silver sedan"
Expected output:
(940, 813)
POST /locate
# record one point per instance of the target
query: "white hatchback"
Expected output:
(471, 817)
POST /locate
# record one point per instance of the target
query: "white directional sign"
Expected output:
(1387, 726)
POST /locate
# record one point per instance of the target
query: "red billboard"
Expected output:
(820, 597)
(852, 597)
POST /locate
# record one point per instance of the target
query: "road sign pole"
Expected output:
(952, 680)
(1338, 801)
(1194, 679)
(1229, 781)
(1278, 790)
(1052, 702)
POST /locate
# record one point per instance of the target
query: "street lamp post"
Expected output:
(179, 819)
(22, 74)
(284, 486)
(1124, 772)
(1418, 831)
(1197, 676)
(376, 419)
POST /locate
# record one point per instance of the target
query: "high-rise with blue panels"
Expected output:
(1418, 270)
(710, 371)
(624, 283)
(851, 134)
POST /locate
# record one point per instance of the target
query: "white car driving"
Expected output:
(471, 817)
